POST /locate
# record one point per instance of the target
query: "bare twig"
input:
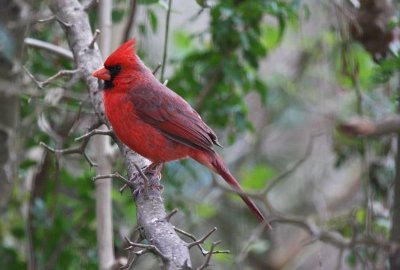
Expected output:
(95, 37)
(204, 238)
(191, 236)
(49, 47)
(271, 183)
(146, 248)
(255, 235)
(358, 126)
(62, 22)
(81, 149)
(334, 238)
(45, 20)
(156, 69)
(60, 73)
(206, 262)
(170, 214)
(96, 132)
(292, 168)
(72, 150)
(166, 40)
(113, 176)
(130, 22)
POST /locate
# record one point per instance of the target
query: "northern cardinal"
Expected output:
(154, 121)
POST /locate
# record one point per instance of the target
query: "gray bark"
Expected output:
(100, 144)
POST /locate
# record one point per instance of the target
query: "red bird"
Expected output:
(154, 121)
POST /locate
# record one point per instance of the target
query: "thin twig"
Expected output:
(292, 168)
(170, 214)
(145, 248)
(81, 149)
(255, 235)
(156, 69)
(72, 150)
(206, 262)
(95, 132)
(201, 240)
(45, 20)
(130, 22)
(36, 43)
(113, 176)
(202, 250)
(63, 23)
(334, 238)
(60, 73)
(95, 37)
(166, 40)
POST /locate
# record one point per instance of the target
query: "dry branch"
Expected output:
(49, 47)
(365, 127)
(151, 211)
(335, 238)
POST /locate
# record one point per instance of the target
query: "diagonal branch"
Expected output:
(49, 47)
(365, 127)
(61, 73)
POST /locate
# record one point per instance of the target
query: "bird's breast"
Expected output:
(138, 135)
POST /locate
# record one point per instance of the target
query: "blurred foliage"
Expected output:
(214, 69)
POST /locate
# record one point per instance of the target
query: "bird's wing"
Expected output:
(173, 116)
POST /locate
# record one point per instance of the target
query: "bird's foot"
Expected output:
(148, 179)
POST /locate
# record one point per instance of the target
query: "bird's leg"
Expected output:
(149, 178)
(153, 171)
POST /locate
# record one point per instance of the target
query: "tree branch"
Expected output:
(131, 20)
(49, 47)
(358, 126)
(166, 40)
(100, 146)
(151, 212)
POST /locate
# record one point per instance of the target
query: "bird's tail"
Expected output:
(221, 169)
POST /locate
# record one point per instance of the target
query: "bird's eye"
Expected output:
(114, 70)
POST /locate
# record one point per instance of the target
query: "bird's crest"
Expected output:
(123, 54)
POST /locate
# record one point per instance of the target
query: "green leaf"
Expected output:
(153, 20)
(148, 2)
(257, 177)
(360, 216)
(117, 15)
(205, 210)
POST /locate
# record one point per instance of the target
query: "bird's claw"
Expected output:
(142, 187)
(151, 181)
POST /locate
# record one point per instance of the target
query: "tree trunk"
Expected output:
(101, 144)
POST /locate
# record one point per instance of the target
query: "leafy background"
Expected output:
(267, 76)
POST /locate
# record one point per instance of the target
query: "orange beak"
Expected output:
(102, 73)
